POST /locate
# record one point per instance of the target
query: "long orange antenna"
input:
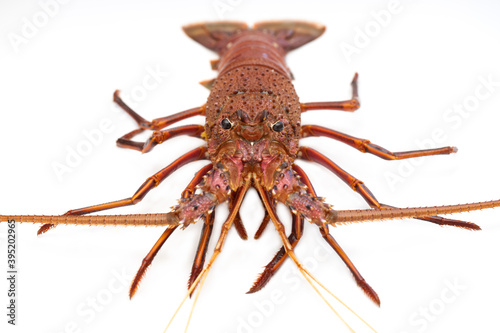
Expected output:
(366, 215)
(161, 219)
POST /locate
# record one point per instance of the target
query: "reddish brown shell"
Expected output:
(253, 76)
(253, 89)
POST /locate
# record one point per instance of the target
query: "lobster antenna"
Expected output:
(190, 290)
(159, 219)
(305, 273)
(339, 300)
(366, 215)
(196, 298)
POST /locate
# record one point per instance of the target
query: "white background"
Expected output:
(428, 58)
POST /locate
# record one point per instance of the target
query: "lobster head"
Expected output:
(252, 117)
(253, 130)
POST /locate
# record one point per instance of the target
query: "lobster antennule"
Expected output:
(366, 215)
(160, 219)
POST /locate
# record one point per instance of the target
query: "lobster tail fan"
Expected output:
(291, 34)
(214, 35)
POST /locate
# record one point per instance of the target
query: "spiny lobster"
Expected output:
(252, 132)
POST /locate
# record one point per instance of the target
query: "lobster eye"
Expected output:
(226, 124)
(278, 126)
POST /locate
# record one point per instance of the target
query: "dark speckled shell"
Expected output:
(253, 89)
(253, 76)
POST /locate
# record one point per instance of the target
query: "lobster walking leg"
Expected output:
(348, 105)
(357, 276)
(238, 223)
(187, 193)
(238, 199)
(158, 137)
(191, 187)
(200, 279)
(289, 251)
(323, 228)
(273, 266)
(153, 181)
(312, 155)
(240, 194)
(294, 237)
(366, 146)
(201, 252)
(263, 225)
(149, 258)
(156, 124)
(275, 263)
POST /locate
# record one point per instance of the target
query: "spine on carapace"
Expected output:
(366, 215)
